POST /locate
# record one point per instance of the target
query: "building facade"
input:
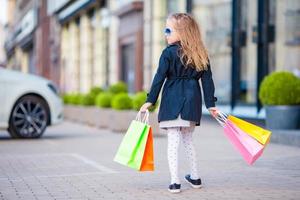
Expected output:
(246, 41)
(31, 45)
(101, 43)
(85, 43)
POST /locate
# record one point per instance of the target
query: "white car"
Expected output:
(28, 104)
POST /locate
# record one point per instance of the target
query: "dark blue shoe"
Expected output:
(174, 188)
(194, 183)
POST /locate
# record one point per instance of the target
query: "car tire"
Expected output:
(29, 117)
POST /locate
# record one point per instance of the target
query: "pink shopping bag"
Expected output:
(248, 147)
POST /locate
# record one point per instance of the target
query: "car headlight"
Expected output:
(53, 88)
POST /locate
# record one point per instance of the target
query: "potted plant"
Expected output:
(94, 91)
(73, 109)
(104, 113)
(122, 114)
(67, 107)
(81, 107)
(119, 87)
(280, 94)
(88, 110)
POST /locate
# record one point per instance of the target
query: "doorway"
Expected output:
(128, 66)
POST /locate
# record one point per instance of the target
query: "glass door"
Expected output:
(128, 66)
(244, 56)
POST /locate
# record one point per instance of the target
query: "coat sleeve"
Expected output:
(159, 78)
(208, 88)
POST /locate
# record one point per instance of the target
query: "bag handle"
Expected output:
(221, 118)
(145, 119)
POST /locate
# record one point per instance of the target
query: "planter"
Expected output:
(80, 114)
(72, 112)
(104, 117)
(67, 111)
(120, 120)
(155, 125)
(115, 120)
(124, 118)
(90, 115)
(83, 114)
(283, 117)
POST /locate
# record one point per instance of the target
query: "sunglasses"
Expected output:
(168, 31)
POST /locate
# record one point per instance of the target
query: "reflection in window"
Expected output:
(214, 18)
(292, 26)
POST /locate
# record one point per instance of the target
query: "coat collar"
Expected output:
(174, 44)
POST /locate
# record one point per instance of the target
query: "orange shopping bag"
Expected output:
(148, 161)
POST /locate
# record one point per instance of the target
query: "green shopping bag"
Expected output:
(132, 147)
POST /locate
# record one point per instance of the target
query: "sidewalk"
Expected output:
(73, 161)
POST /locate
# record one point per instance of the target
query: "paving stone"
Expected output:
(73, 161)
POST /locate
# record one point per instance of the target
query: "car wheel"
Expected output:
(28, 118)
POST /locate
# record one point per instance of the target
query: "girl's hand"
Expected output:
(213, 111)
(145, 106)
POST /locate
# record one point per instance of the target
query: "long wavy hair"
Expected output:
(192, 51)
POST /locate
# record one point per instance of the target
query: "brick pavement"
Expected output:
(74, 161)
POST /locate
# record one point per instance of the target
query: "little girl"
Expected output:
(182, 63)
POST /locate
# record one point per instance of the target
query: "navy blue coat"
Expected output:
(181, 92)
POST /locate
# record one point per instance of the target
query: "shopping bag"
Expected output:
(138, 153)
(148, 159)
(132, 148)
(258, 133)
(247, 146)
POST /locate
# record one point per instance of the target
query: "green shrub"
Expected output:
(75, 99)
(139, 99)
(86, 100)
(119, 87)
(94, 91)
(121, 101)
(104, 99)
(280, 88)
(66, 98)
(70, 98)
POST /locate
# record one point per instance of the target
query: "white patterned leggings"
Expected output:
(174, 135)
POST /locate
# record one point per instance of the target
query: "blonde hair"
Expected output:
(192, 52)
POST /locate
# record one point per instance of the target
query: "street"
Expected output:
(74, 161)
